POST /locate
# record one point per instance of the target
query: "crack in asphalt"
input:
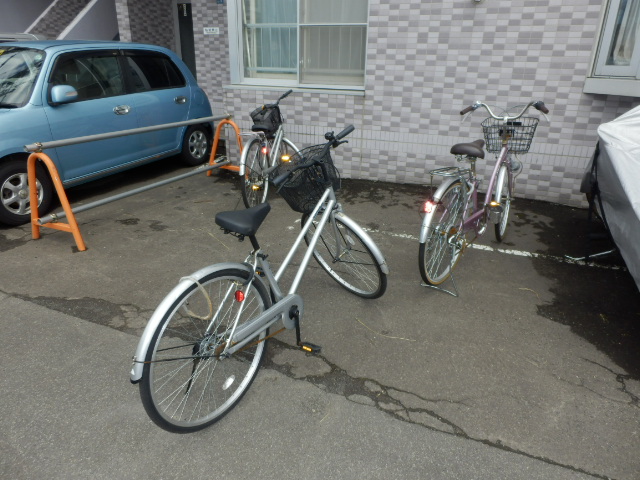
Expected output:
(622, 380)
(400, 404)
(392, 401)
(359, 390)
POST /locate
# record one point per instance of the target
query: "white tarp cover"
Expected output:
(618, 171)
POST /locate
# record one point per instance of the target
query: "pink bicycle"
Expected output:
(454, 216)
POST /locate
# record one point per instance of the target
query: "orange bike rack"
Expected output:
(72, 226)
(216, 140)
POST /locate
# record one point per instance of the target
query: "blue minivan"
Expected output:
(56, 89)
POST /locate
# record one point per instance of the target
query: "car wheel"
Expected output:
(196, 145)
(15, 208)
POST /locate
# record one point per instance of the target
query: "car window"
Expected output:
(153, 72)
(92, 76)
(19, 69)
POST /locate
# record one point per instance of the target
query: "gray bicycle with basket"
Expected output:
(205, 342)
(264, 152)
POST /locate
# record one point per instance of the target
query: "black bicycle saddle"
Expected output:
(244, 222)
(473, 149)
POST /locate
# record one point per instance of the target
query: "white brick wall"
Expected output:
(425, 61)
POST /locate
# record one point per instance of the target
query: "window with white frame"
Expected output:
(618, 51)
(310, 43)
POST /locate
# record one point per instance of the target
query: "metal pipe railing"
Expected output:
(38, 147)
(53, 217)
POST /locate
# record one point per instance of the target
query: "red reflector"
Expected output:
(427, 207)
(264, 150)
(239, 296)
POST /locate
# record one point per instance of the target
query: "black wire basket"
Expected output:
(521, 133)
(305, 187)
(267, 119)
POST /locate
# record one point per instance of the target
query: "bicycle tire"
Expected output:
(185, 386)
(502, 195)
(440, 252)
(255, 183)
(355, 268)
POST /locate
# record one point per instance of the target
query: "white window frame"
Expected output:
(612, 79)
(236, 58)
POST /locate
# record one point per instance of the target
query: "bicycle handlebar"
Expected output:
(467, 110)
(284, 95)
(539, 105)
(343, 133)
(333, 141)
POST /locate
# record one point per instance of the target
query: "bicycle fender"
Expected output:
(243, 161)
(446, 183)
(158, 314)
(243, 156)
(368, 241)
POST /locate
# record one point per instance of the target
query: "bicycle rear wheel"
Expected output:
(186, 384)
(440, 253)
(255, 184)
(503, 197)
(345, 256)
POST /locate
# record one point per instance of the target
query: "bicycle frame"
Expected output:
(279, 310)
(478, 219)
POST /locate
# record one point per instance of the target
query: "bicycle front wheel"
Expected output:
(186, 383)
(503, 197)
(343, 253)
(255, 183)
(440, 253)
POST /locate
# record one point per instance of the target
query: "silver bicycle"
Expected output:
(263, 153)
(204, 343)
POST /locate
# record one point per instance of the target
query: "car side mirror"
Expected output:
(63, 94)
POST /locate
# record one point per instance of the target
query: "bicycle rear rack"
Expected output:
(450, 172)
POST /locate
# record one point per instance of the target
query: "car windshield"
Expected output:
(19, 69)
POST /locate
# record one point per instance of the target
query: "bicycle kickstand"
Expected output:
(294, 313)
(453, 293)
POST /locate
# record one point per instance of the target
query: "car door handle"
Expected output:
(122, 109)
(180, 100)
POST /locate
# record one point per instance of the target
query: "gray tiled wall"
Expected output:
(425, 61)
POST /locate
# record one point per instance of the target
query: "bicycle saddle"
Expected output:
(473, 149)
(262, 127)
(244, 222)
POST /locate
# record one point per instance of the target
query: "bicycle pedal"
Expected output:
(310, 347)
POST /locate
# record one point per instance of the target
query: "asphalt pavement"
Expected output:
(531, 373)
